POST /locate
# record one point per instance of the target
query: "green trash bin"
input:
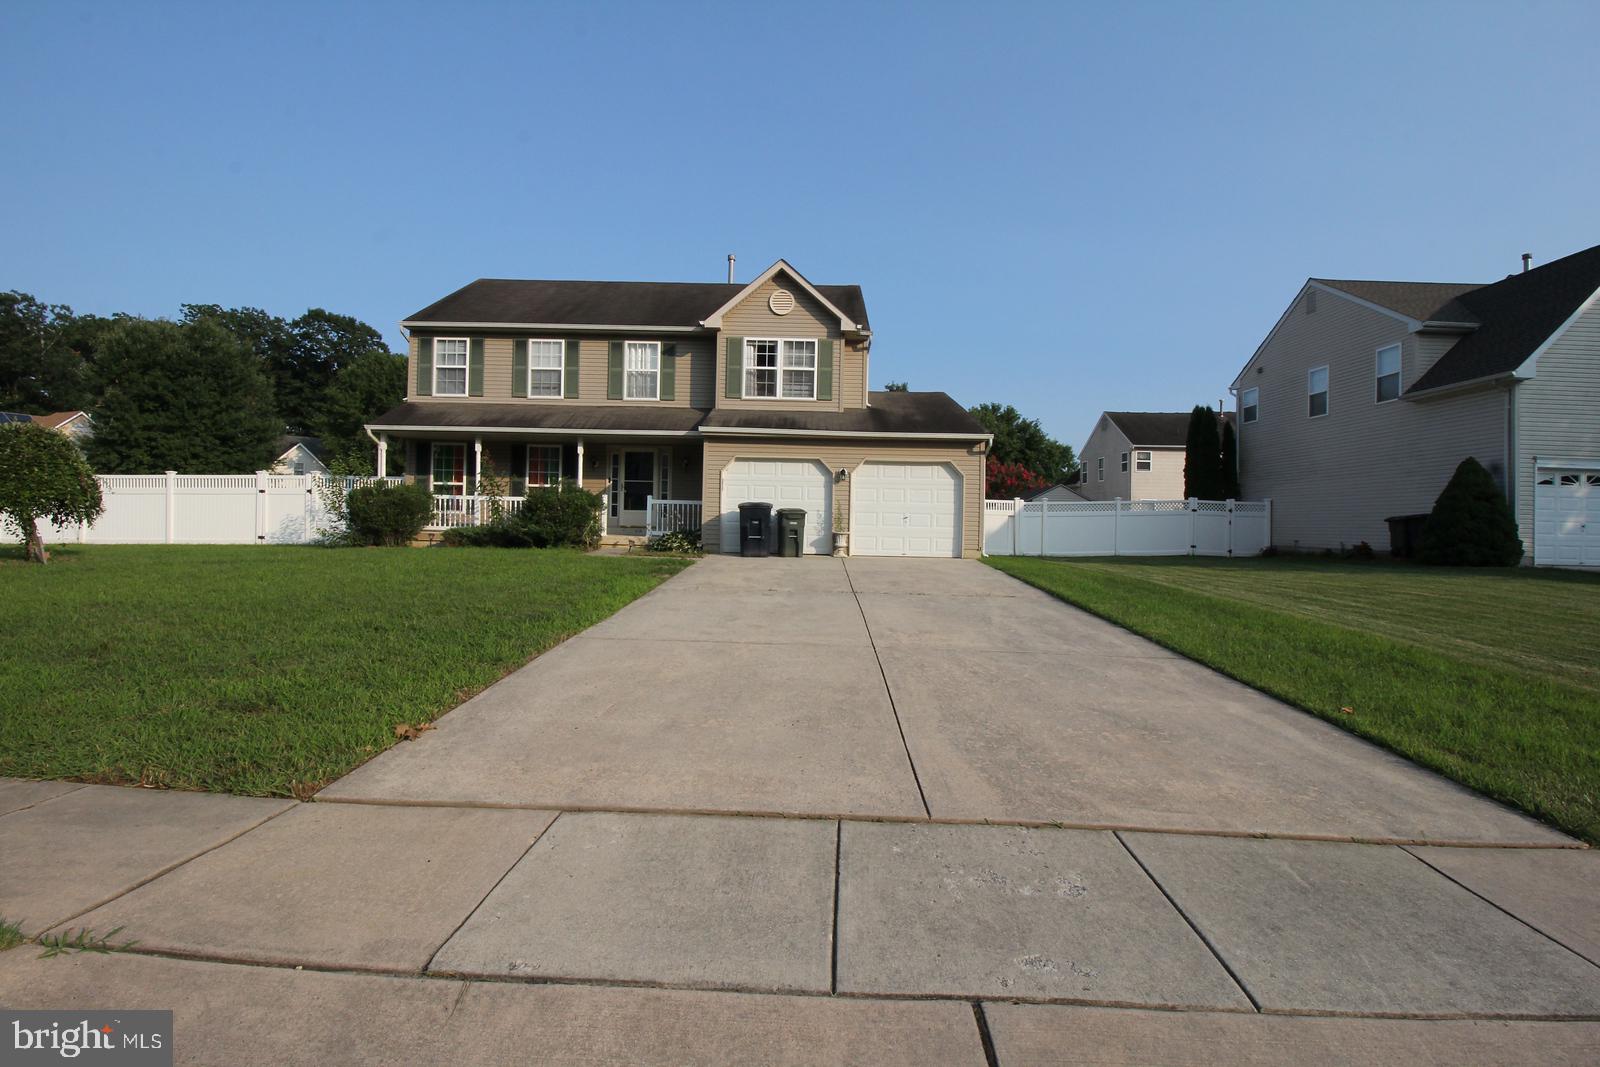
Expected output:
(791, 531)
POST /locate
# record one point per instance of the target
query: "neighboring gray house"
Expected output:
(299, 455)
(1059, 491)
(1366, 395)
(1136, 455)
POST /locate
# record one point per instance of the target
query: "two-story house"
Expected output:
(1135, 455)
(703, 395)
(1365, 396)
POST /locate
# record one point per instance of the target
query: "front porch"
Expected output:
(650, 486)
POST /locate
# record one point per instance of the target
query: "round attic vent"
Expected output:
(781, 301)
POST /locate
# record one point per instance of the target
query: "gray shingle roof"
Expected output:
(510, 300)
(1157, 429)
(890, 413)
(1415, 300)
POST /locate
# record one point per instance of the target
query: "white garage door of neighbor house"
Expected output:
(906, 509)
(1566, 517)
(783, 483)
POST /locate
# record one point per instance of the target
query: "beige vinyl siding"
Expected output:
(1333, 480)
(1558, 410)
(1421, 357)
(1164, 479)
(752, 317)
(1106, 441)
(849, 455)
(695, 384)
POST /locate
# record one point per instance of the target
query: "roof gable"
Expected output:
(714, 320)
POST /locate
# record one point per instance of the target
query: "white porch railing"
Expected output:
(669, 516)
(452, 511)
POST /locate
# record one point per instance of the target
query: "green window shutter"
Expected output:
(669, 372)
(735, 383)
(614, 373)
(825, 368)
(519, 366)
(519, 469)
(424, 366)
(475, 367)
(569, 380)
(425, 464)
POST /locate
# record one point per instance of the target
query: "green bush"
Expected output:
(556, 517)
(682, 542)
(1471, 524)
(387, 513)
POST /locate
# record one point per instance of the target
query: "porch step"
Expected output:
(613, 540)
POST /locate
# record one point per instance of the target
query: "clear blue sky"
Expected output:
(1063, 206)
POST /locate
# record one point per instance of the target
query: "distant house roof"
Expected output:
(1507, 320)
(14, 416)
(1058, 491)
(1156, 429)
(493, 301)
(287, 442)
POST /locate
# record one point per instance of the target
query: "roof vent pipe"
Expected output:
(1527, 258)
(730, 267)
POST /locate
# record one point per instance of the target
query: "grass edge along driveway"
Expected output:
(1380, 640)
(269, 671)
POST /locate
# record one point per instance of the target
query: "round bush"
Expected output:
(388, 514)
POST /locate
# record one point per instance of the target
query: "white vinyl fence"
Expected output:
(1126, 527)
(203, 509)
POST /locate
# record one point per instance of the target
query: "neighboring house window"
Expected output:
(299, 466)
(545, 362)
(1124, 463)
(1317, 392)
(1250, 405)
(449, 366)
(449, 470)
(784, 367)
(1141, 461)
(642, 371)
(1100, 469)
(544, 465)
(1388, 373)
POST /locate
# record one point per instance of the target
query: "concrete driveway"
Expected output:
(910, 689)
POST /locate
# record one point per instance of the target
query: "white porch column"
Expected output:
(383, 455)
(477, 464)
(578, 477)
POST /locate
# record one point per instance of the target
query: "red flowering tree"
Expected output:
(1008, 480)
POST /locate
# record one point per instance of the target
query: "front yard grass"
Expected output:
(1490, 677)
(270, 671)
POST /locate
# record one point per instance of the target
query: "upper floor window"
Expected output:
(1124, 463)
(449, 366)
(1100, 469)
(1250, 405)
(785, 367)
(641, 378)
(1141, 461)
(1317, 392)
(1388, 373)
(545, 366)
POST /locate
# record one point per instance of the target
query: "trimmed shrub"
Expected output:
(565, 517)
(1471, 524)
(388, 514)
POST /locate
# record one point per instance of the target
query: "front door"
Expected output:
(635, 473)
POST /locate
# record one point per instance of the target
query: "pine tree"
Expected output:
(1202, 456)
(1471, 524)
(1230, 463)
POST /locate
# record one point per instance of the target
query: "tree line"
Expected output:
(211, 392)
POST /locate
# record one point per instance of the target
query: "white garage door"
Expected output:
(783, 483)
(1566, 518)
(906, 509)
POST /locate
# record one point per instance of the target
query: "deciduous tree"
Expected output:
(43, 476)
(1023, 441)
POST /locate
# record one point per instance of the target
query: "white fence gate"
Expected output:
(202, 509)
(1126, 527)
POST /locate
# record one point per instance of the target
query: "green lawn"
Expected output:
(1490, 677)
(269, 671)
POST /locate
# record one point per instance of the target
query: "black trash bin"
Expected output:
(755, 526)
(1405, 534)
(791, 531)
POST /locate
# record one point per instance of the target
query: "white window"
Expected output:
(1100, 469)
(1317, 392)
(1250, 405)
(449, 366)
(1124, 463)
(776, 366)
(449, 470)
(544, 465)
(1388, 373)
(641, 370)
(1141, 461)
(546, 361)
